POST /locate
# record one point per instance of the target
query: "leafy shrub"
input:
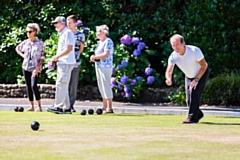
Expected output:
(178, 94)
(223, 90)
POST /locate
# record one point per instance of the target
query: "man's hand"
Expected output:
(168, 82)
(54, 58)
(193, 85)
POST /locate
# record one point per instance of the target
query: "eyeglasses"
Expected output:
(29, 32)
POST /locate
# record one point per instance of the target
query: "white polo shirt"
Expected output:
(66, 37)
(188, 62)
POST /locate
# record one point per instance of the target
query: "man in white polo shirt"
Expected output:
(65, 59)
(191, 61)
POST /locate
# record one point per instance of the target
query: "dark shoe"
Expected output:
(72, 109)
(66, 111)
(188, 121)
(200, 117)
(55, 110)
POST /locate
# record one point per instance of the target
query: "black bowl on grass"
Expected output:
(90, 111)
(99, 111)
(83, 112)
(35, 125)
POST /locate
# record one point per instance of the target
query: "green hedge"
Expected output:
(223, 90)
(211, 25)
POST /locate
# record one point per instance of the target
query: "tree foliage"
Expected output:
(213, 26)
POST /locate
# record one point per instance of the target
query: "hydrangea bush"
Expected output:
(132, 73)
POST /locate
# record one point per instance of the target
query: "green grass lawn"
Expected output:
(117, 137)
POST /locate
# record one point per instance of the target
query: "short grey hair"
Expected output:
(104, 28)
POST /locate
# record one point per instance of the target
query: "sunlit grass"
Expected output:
(118, 136)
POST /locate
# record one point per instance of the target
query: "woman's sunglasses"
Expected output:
(29, 32)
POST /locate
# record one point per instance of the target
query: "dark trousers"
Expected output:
(73, 86)
(31, 85)
(194, 96)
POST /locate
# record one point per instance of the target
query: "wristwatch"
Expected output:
(196, 79)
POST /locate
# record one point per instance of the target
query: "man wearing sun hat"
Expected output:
(65, 59)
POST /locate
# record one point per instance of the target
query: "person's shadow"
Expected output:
(218, 123)
(222, 123)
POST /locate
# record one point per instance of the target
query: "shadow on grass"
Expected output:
(126, 115)
(213, 123)
(232, 117)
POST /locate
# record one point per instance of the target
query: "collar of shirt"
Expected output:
(63, 30)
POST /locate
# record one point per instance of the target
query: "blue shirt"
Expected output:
(106, 45)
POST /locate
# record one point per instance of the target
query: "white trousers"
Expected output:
(104, 82)
(62, 84)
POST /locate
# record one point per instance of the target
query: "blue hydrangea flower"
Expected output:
(135, 40)
(128, 95)
(124, 63)
(141, 46)
(136, 52)
(113, 80)
(127, 88)
(148, 71)
(138, 78)
(134, 82)
(120, 86)
(150, 79)
(119, 66)
(126, 39)
(124, 79)
(79, 23)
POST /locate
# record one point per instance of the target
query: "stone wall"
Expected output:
(154, 95)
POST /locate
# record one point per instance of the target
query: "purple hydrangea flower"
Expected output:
(127, 88)
(134, 82)
(120, 86)
(150, 79)
(51, 67)
(85, 30)
(126, 39)
(124, 79)
(119, 66)
(113, 80)
(135, 40)
(123, 93)
(113, 70)
(141, 46)
(113, 85)
(148, 71)
(136, 52)
(79, 23)
(124, 63)
(138, 78)
(128, 95)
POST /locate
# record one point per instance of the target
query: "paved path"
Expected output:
(127, 108)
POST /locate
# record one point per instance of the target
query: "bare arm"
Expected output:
(20, 53)
(100, 56)
(81, 47)
(65, 52)
(168, 74)
(203, 68)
